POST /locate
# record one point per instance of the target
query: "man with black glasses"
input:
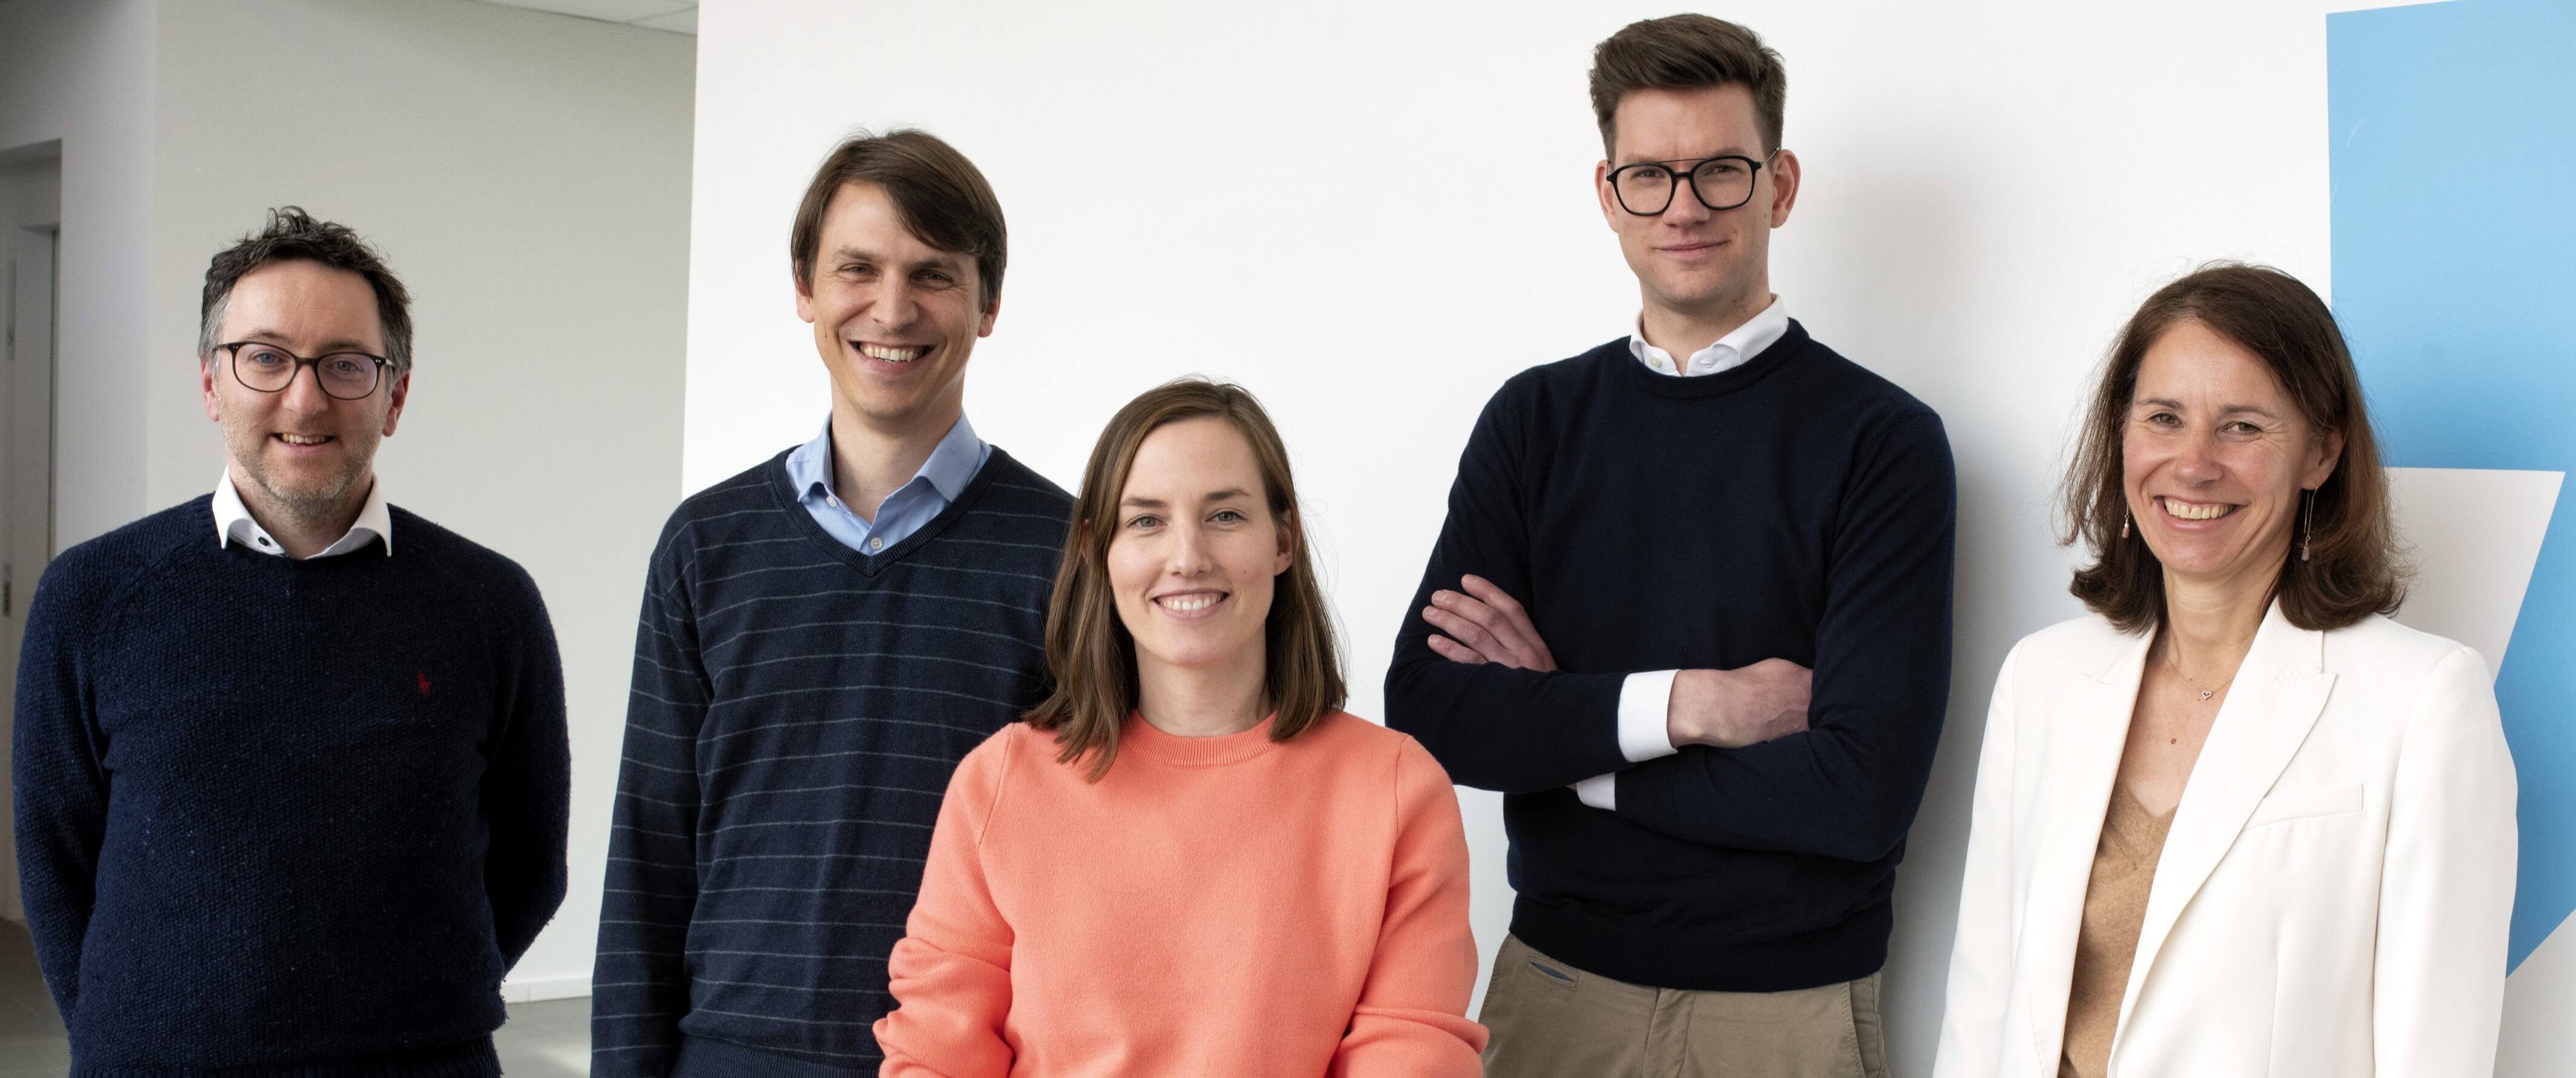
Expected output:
(1690, 612)
(288, 803)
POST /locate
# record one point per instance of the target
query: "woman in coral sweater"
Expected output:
(1188, 860)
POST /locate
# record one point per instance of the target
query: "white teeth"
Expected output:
(2188, 511)
(891, 355)
(303, 439)
(1185, 605)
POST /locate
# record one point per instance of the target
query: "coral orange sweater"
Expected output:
(1213, 906)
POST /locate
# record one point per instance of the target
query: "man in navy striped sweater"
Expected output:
(823, 637)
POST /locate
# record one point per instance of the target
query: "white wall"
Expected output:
(81, 71)
(78, 73)
(1373, 213)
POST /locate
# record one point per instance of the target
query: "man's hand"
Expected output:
(1726, 709)
(1730, 709)
(1486, 625)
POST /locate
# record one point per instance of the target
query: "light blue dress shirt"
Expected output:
(941, 479)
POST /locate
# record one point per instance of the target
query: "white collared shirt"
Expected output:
(1645, 698)
(1730, 351)
(233, 523)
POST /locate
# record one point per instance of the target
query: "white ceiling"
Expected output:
(676, 16)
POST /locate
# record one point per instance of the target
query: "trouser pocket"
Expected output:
(1830, 1031)
(1550, 1020)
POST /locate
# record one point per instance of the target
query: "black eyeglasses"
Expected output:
(1645, 188)
(268, 368)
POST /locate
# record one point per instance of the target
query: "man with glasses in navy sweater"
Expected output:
(289, 802)
(824, 637)
(1690, 613)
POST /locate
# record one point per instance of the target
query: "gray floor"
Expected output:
(543, 1040)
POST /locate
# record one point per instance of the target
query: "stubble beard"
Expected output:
(313, 503)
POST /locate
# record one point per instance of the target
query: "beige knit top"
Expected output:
(2115, 908)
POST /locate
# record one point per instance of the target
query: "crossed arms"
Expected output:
(1767, 756)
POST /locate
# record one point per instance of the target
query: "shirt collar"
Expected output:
(1729, 352)
(952, 464)
(233, 522)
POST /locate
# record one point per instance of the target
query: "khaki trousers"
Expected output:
(1551, 1020)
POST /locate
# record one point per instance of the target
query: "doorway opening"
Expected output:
(31, 185)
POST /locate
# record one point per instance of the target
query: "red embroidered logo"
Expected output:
(424, 683)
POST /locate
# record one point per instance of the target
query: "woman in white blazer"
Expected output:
(2236, 822)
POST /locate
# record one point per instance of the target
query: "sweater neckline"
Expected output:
(783, 490)
(1723, 382)
(1151, 742)
(364, 558)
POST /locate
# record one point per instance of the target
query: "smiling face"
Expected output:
(1197, 551)
(2215, 457)
(298, 450)
(894, 318)
(1699, 263)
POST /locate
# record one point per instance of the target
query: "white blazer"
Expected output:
(2334, 890)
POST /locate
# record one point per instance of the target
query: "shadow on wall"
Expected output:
(1885, 240)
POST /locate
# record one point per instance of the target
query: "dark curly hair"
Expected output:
(293, 235)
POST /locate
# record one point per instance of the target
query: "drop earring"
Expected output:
(2124, 524)
(2308, 534)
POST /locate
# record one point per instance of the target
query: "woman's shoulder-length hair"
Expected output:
(2353, 568)
(1089, 652)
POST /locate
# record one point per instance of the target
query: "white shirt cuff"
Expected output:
(1599, 791)
(1644, 700)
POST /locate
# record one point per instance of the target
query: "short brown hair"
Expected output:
(1686, 52)
(293, 235)
(940, 195)
(2354, 568)
(1089, 651)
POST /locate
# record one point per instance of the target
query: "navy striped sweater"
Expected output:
(796, 711)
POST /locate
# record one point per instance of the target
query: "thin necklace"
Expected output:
(2176, 667)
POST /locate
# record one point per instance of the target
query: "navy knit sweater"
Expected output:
(289, 818)
(796, 712)
(1795, 507)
